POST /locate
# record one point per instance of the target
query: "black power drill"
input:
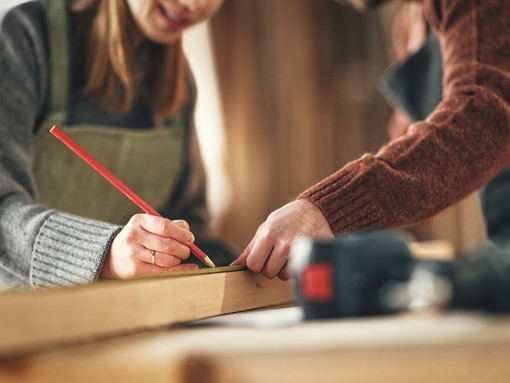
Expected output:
(374, 273)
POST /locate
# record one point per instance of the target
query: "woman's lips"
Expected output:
(171, 21)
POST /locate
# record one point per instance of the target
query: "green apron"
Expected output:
(149, 161)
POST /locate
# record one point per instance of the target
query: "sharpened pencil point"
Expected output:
(209, 262)
(137, 200)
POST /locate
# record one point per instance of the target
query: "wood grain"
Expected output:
(30, 320)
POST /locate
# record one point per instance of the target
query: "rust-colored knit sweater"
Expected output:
(458, 148)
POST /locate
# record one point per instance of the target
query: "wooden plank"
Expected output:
(467, 364)
(30, 320)
(423, 347)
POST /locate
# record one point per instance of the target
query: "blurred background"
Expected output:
(288, 94)
(298, 80)
(299, 92)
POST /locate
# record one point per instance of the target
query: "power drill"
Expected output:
(375, 273)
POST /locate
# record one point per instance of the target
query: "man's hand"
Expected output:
(268, 251)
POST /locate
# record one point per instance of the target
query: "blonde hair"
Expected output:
(118, 67)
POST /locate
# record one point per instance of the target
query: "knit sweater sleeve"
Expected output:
(458, 148)
(39, 247)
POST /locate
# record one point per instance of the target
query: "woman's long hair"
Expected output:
(121, 64)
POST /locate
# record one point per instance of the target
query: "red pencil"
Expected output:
(135, 198)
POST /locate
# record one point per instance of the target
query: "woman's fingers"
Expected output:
(181, 223)
(147, 245)
(177, 230)
(169, 238)
(157, 258)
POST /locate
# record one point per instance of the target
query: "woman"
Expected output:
(442, 158)
(112, 74)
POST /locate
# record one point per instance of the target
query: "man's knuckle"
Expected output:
(253, 264)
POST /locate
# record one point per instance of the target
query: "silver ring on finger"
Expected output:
(153, 252)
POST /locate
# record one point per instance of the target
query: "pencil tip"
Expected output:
(209, 262)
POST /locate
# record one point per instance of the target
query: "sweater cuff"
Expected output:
(70, 250)
(347, 200)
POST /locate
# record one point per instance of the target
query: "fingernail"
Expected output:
(191, 237)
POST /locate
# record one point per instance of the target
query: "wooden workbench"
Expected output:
(276, 345)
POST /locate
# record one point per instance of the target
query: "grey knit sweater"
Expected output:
(39, 246)
(35, 242)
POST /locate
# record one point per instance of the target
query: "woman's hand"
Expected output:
(268, 251)
(147, 245)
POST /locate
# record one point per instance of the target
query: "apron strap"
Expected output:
(58, 34)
